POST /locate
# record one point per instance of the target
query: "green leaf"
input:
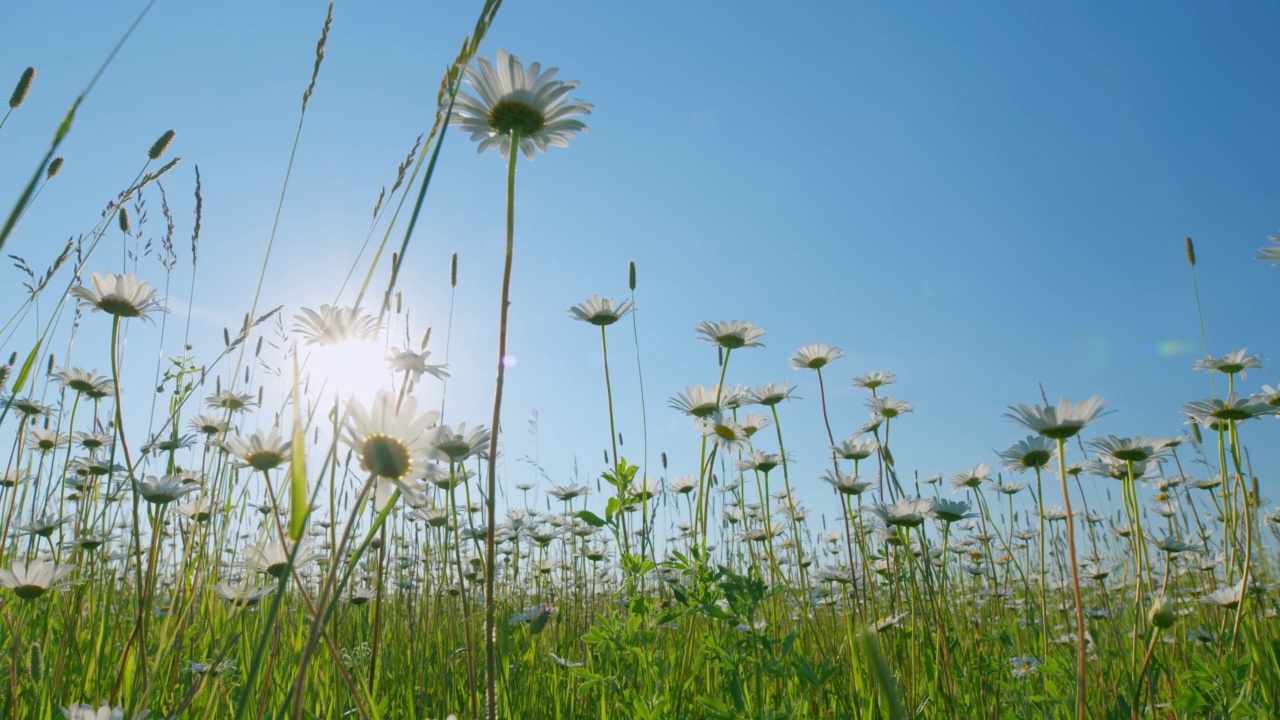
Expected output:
(589, 518)
(26, 369)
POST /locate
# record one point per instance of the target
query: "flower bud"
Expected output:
(1161, 613)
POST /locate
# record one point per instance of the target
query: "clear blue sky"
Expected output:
(978, 198)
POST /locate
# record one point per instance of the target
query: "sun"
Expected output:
(350, 368)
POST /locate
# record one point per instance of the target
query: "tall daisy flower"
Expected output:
(511, 100)
(529, 109)
(601, 311)
(1059, 423)
(119, 295)
(393, 443)
(1065, 420)
(815, 356)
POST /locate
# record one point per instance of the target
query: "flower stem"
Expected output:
(1075, 582)
(490, 652)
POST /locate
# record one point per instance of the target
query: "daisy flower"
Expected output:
(28, 408)
(772, 394)
(1233, 409)
(242, 596)
(31, 580)
(683, 485)
(118, 295)
(1008, 488)
(415, 364)
(528, 102)
(1269, 395)
(43, 440)
(971, 478)
(753, 423)
(89, 541)
(874, 380)
(1059, 422)
(1271, 253)
(86, 711)
(761, 461)
(727, 433)
(1172, 545)
(260, 451)
(950, 511)
(273, 559)
(456, 447)
(208, 424)
(1054, 512)
(1231, 364)
(855, 449)
(600, 311)
(815, 356)
(760, 534)
(907, 512)
(1139, 449)
(85, 382)
(565, 493)
(730, 334)
(164, 490)
(1028, 454)
(647, 489)
(1228, 597)
(42, 526)
(91, 441)
(332, 325)
(393, 444)
(844, 483)
(1024, 666)
(700, 401)
(888, 408)
(197, 509)
(228, 400)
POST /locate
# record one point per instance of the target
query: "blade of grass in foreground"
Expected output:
(63, 129)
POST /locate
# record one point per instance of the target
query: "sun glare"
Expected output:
(352, 368)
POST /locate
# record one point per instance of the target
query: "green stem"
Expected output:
(1081, 713)
(490, 652)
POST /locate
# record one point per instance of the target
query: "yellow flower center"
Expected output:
(385, 457)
